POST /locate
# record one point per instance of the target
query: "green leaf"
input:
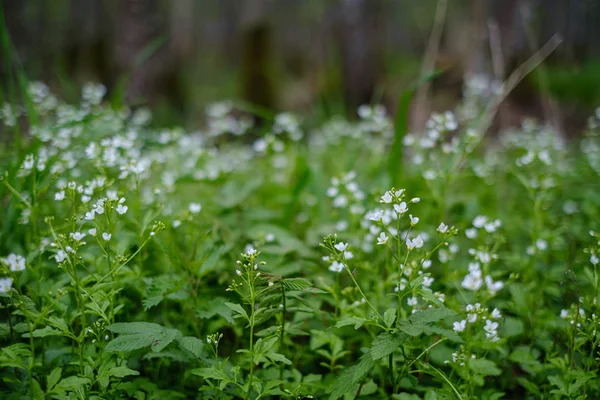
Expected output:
(431, 315)
(214, 307)
(70, 384)
(53, 378)
(135, 328)
(163, 339)
(237, 308)
(122, 371)
(212, 373)
(356, 321)
(389, 317)
(130, 342)
(484, 367)
(193, 345)
(385, 344)
(137, 335)
(43, 332)
(350, 378)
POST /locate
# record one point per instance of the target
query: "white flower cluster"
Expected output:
(287, 122)
(477, 313)
(221, 121)
(15, 263)
(574, 315)
(474, 280)
(344, 254)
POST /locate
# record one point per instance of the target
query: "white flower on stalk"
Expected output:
(460, 326)
(479, 221)
(415, 243)
(443, 228)
(471, 233)
(5, 284)
(412, 301)
(413, 220)
(121, 209)
(496, 314)
(195, 208)
(375, 215)
(382, 239)
(386, 198)
(336, 266)
(77, 236)
(341, 246)
(492, 286)
(415, 200)
(401, 208)
(106, 236)
(60, 256)
(14, 262)
(594, 259)
(92, 231)
(59, 196)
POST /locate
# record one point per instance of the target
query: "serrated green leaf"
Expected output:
(484, 367)
(122, 371)
(356, 321)
(192, 344)
(350, 378)
(130, 342)
(389, 317)
(135, 327)
(70, 384)
(43, 332)
(430, 315)
(385, 344)
(164, 339)
(238, 309)
(211, 373)
(216, 307)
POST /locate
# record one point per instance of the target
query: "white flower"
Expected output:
(375, 215)
(341, 246)
(490, 327)
(340, 201)
(194, 208)
(336, 266)
(471, 318)
(77, 236)
(541, 244)
(471, 233)
(443, 228)
(5, 285)
(412, 301)
(594, 259)
(176, 223)
(121, 209)
(460, 326)
(14, 262)
(415, 243)
(92, 231)
(427, 281)
(90, 215)
(496, 314)
(564, 314)
(85, 198)
(401, 208)
(413, 220)
(399, 193)
(492, 286)
(59, 196)
(427, 264)
(106, 236)
(332, 191)
(479, 221)
(60, 256)
(386, 198)
(382, 239)
(415, 200)
(348, 255)
(269, 237)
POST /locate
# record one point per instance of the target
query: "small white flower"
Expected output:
(121, 209)
(471, 318)
(496, 314)
(348, 255)
(92, 231)
(594, 259)
(59, 196)
(237, 271)
(195, 208)
(443, 228)
(341, 246)
(176, 223)
(271, 284)
(415, 200)
(5, 284)
(376, 215)
(427, 281)
(340, 201)
(14, 262)
(413, 220)
(460, 326)
(106, 236)
(427, 264)
(471, 233)
(401, 208)
(412, 301)
(77, 236)
(269, 238)
(60, 256)
(479, 221)
(399, 193)
(152, 233)
(386, 198)
(336, 266)
(490, 326)
(541, 244)
(90, 215)
(564, 314)
(382, 239)
(415, 243)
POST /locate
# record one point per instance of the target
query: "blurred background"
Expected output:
(322, 57)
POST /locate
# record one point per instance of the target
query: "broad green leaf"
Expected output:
(349, 379)
(135, 328)
(356, 321)
(53, 378)
(192, 344)
(43, 332)
(130, 342)
(237, 308)
(385, 344)
(211, 373)
(484, 367)
(389, 317)
(431, 315)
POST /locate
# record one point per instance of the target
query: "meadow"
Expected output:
(287, 257)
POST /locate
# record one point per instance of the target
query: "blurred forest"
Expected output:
(320, 57)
